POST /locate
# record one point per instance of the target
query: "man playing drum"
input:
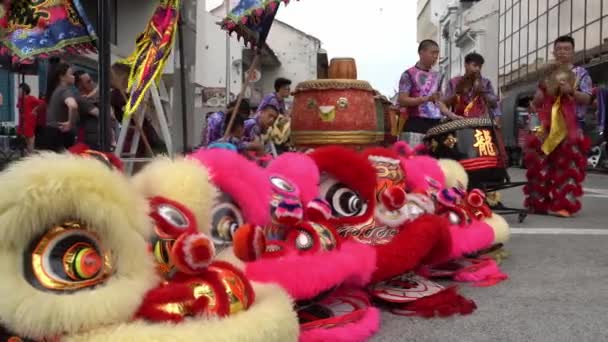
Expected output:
(419, 93)
(471, 95)
(556, 158)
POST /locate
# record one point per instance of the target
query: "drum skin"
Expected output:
(330, 112)
(343, 68)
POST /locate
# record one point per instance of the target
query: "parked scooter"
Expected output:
(597, 159)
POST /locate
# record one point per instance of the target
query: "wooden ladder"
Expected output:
(130, 158)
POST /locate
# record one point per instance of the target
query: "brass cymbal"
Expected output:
(558, 75)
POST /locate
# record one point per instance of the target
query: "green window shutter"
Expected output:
(7, 89)
(43, 69)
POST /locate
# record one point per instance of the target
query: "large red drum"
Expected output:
(330, 112)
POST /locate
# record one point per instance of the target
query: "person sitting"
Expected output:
(216, 122)
(257, 128)
(234, 139)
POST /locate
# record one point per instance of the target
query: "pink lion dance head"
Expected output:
(470, 217)
(243, 197)
(311, 249)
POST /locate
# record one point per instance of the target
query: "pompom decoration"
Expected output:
(403, 149)
(394, 198)
(192, 253)
(476, 198)
(249, 243)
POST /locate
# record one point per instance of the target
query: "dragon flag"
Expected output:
(40, 28)
(252, 20)
(153, 47)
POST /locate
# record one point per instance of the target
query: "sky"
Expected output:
(379, 34)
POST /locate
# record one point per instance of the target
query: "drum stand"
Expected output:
(488, 187)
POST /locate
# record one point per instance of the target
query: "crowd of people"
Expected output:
(249, 133)
(67, 113)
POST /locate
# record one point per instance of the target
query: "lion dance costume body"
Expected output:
(122, 260)
(556, 155)
(377, 206)
(302, 251)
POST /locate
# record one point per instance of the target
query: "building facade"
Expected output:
(465, 27)
(527, 30)
(429, 13)
(461, 27)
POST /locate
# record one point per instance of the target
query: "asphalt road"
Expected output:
(558, 286)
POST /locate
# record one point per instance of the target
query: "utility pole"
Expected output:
(228, 59)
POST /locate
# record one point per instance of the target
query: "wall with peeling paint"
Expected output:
(297, 52)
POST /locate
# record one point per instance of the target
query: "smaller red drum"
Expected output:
(343, 68)
(330, 112)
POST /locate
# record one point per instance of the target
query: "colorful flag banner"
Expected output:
(252, 20)
(39, 28)
(153, 47)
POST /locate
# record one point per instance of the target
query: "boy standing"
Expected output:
(419, 94)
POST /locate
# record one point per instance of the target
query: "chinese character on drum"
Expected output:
(484, 144)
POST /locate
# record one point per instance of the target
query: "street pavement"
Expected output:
(558, 286)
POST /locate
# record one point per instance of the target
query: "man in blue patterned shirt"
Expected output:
(257, 127)
(282, 87)
(215, 127)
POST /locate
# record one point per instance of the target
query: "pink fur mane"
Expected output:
(240, 178)
(300, 169)
(306, 276)
(358, 331)
(418, 168)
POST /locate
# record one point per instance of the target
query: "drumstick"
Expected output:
(441, 77)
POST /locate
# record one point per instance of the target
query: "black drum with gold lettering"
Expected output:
(474, 144)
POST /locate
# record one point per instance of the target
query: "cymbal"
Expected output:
(560, 74)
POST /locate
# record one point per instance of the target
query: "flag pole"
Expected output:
(228, 62)
(104, 59)
(182, 75)
(248, 76)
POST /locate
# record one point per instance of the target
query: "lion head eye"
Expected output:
(68, 257)
(344, 201)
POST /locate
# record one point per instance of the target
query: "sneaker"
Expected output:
(561, 213)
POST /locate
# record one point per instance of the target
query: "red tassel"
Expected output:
(443, 304)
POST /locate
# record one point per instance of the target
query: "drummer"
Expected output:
(419, 94)
(472, 95)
